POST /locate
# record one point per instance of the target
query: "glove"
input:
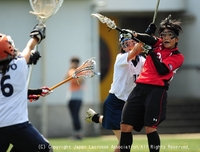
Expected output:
(39, 32)
(33, 97)
(127, 33)
(34, 57)
(45, 91)
(147, 49)
(151, 29)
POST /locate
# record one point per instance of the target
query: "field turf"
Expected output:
(169, 143)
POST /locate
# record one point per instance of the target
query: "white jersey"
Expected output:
(13, 93)
(124, 75)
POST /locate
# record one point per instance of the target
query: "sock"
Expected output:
(126, 141)
(153, 141)
(95, 118)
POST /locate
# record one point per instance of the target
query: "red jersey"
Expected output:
(170, 57)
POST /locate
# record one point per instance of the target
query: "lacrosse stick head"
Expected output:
(105, 20)
(43, 9)
(87, 69)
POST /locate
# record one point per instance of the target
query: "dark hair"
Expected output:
(4, 66)
(75, 59)
(170, 24)
(122, 51)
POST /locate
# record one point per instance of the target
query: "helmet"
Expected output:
(125, 36)
(6, 47)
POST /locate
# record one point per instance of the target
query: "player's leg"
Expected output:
(112, 110)
(117, 134)
(155, 113)
(4, 142)
(93, 116)
(132, 114)
(25, 137)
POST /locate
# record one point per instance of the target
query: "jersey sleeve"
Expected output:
(174, 61)
(121, 59)
(159, 41)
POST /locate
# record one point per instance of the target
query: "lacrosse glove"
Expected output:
(34, 94)
(39, 32)
(45, 91)
(34, 57)
(127, 33)
(33, 97)
(151, 29)
(147, 49)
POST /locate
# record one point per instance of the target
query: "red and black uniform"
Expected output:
(146, 104)
(170, 57)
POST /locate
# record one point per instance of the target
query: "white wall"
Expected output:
(140, 5)
(186, 83)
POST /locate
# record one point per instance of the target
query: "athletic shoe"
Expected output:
(90, 113)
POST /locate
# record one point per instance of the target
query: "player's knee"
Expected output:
(126, 128)
(150, 129)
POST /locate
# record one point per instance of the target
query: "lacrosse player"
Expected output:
(127, 67)
(146, 105)
(15, 127)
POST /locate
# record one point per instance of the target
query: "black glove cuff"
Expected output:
(34, 57)
(34, 91)
(95, 118)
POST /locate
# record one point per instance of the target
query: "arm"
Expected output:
(136, 50)
(34, 91)
(27, 50)
(145, 38)
(160, 67)
(34, 94)
(37, 35)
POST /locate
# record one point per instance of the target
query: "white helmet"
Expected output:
(124, 36)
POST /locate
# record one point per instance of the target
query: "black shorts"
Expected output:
(146, 106)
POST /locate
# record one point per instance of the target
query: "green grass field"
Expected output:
(169, 143)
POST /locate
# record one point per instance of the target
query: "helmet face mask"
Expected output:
(7, 50)
(123, 36)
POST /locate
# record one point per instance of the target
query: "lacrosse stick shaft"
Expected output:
(61, 83)
(156, 11)
(29, 75)
(30, 70)
(120, 30)
(85, 70)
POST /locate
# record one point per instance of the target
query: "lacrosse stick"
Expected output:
(156, 11)
(87, 69)
(111, 24)
(43, 9)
